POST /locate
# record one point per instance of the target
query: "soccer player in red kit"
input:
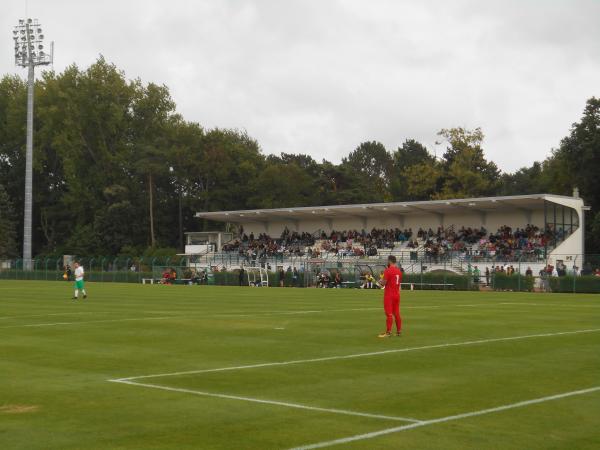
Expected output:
(392, 277)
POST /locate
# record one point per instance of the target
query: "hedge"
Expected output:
(583, 284)
(515, 282)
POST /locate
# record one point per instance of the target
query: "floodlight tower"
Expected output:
(29, 52)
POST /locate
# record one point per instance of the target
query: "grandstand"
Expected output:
(532, 229)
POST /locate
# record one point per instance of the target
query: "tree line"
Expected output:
(118, 171)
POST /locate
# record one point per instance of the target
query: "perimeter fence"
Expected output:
(575, 274)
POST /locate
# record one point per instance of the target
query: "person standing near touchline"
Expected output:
(390, 281)
(79, 285)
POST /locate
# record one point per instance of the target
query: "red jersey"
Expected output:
(393, 277)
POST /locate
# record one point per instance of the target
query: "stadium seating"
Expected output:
(433, 246)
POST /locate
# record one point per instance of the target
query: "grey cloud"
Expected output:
(319, 77)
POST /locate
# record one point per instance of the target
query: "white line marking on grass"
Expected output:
(187, 316)
(53, 314)
(191, 315)
(261, 314)
(268, 402)
(286, 313)
(83, 322)
(424, 423)
(565, 305)
(361, 355)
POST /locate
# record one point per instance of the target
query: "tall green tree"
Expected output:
(371, 162)
(466, 171)
(283, 185)
(576, 163)
(224, 167)
(152, 113)
(423, 180)
(527, 180)
(411, 153)
(579, 156)
(8, 230)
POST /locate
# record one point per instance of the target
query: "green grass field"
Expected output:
(475, 361)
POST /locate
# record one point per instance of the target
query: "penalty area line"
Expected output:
(374, 434)
(267, 402)
(361, 355)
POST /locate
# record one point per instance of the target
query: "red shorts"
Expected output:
(391, 304)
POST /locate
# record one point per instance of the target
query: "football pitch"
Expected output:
(197, 367)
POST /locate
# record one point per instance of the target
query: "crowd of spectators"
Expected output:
(505, 244)
(342, 243)
(254, 248)
(476, 243)
(360, 243)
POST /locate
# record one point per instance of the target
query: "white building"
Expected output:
(564, 215)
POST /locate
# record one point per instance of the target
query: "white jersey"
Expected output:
(79, 273)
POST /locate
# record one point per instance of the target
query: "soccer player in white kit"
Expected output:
(79, 281)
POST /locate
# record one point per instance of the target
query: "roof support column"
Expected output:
(400, 221)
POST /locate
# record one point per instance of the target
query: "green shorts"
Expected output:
(79, 284)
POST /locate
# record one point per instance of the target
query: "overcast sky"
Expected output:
(321, 76)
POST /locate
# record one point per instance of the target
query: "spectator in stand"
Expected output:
(505, 245)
